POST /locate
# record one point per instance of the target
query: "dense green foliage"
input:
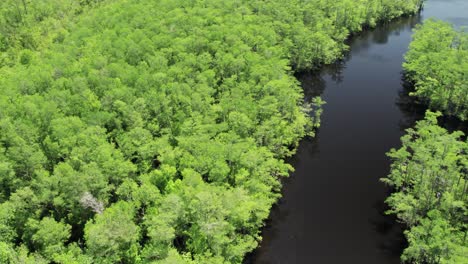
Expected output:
(429, 174)
(33, 25)
(140, 131)
(437, 62)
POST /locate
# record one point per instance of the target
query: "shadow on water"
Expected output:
(313, 83)
(413, 110)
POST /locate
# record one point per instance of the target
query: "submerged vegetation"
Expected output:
(437, 62)
(146, 131)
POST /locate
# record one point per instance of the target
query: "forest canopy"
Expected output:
(437, 62)
(429, 175)
(146, 131)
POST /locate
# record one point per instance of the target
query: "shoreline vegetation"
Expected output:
(429, 178)
(437, 63)
(146, 131)
(429, 173)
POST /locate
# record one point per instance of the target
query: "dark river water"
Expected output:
(332, 206)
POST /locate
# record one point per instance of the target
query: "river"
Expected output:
(332, 210)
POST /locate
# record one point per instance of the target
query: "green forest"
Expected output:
(429, 173)
(437, 63)
(139, 131)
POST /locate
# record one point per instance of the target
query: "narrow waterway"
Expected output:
(332, 206)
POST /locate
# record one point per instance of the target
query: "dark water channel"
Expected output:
(332, 206)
